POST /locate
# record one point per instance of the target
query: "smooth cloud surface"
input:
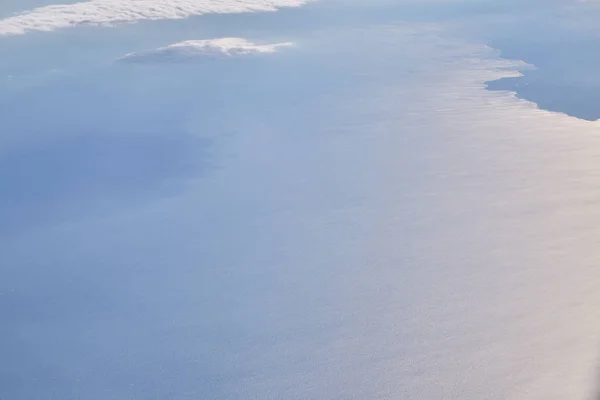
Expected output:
(109, 12)
(192, 49)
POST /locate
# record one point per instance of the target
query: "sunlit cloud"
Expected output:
(111, 12)
(194, 49)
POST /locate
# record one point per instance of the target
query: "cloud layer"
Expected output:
(194, 49)
(110, 12)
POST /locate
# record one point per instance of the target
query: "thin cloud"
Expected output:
(111, 12)
(194, 49)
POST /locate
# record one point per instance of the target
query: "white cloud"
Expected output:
(193, 49)
(110, 12)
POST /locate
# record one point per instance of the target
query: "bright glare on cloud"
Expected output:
(109, 12)
(192, 49)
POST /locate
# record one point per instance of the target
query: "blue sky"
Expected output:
(353, 216)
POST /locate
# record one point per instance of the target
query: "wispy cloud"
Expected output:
(193, 49)
(110, 12)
